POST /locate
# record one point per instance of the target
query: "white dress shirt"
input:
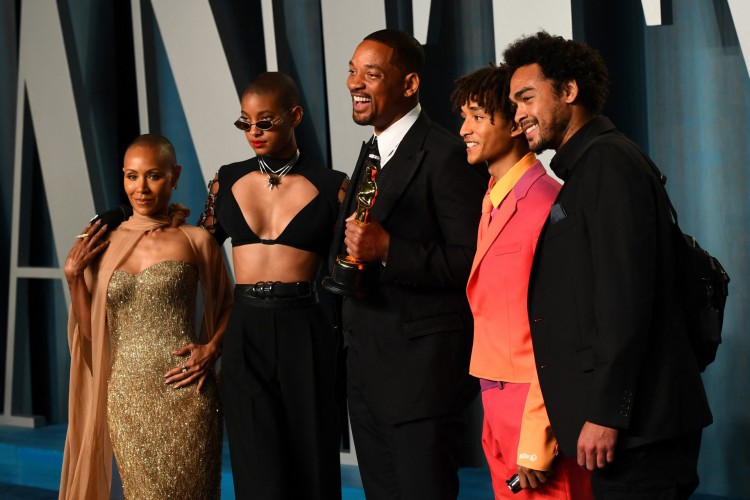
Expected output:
(390, 138)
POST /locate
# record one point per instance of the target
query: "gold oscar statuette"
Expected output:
(350, 277)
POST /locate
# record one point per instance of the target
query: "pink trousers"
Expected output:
(503, 409)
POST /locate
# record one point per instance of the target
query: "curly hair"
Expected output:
(563, 60)
(488, 87)
(274, 82)
(408, 53)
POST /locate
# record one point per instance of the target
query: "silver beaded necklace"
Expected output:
(275, 176)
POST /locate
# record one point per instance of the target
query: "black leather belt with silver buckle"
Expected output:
(277, 289)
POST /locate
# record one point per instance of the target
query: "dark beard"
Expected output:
(361, 119)
(542, 145)
(551, 136)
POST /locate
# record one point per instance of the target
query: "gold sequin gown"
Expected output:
(167, 442)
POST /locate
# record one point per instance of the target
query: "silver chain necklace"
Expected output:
(275, 176)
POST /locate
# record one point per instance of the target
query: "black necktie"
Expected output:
(373, 153)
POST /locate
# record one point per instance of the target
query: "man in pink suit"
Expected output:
(516, 435)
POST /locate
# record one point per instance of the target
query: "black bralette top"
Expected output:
(311, 229)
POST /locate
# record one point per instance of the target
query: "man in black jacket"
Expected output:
(409, 340)
(617, 372)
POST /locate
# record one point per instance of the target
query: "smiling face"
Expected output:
(486, 141)
(545, 115)
(381, 93)
(279, 141)
(150, 175)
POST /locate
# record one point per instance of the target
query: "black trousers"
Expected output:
(664, 470)
(280, 407)
(414, 460)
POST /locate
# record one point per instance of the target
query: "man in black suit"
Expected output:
(409, 340)
(619, 378)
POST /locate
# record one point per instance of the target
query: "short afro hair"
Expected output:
(488, 87)
(159, 143)
(408, 53)
(563, 60)
(274, 82)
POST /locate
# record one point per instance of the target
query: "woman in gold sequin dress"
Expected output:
(141, 381)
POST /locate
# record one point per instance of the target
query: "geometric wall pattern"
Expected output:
(79, 79)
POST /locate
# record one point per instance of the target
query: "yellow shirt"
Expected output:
(501, 189)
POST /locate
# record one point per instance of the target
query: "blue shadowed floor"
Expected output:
(31, 459)
(30, 462)
(11, 491)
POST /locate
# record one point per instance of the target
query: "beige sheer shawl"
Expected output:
(87, 462)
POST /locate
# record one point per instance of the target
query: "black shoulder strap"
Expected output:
(659, 175)
(229, 174)
(326, 181)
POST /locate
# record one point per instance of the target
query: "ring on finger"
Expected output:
(82, 236)
(184, 369)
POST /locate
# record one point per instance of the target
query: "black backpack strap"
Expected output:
(658, 173)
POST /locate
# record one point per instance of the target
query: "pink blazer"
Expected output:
(497, 290)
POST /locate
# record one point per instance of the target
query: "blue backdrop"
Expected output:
(681, 91)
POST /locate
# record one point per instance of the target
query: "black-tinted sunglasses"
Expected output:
(266, 124)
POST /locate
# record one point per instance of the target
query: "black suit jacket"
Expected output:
(413, 332)
(606, 323)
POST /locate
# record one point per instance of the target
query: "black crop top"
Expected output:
(311, 229)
